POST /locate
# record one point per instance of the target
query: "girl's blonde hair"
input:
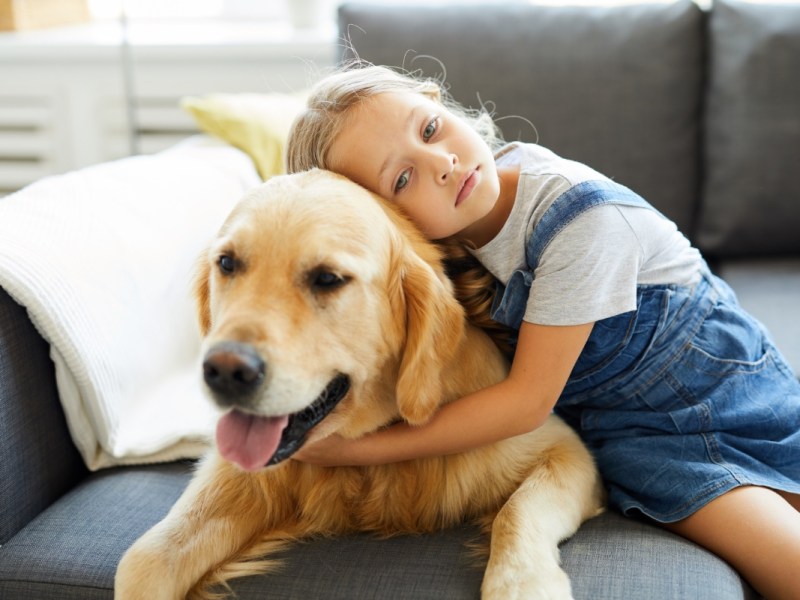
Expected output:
(332, 98)
(327, 111)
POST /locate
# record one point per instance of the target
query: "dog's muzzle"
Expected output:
(294, 435)
(234, 372)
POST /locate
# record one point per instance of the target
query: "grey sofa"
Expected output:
(697, 110)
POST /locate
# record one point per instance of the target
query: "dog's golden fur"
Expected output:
(395, 328)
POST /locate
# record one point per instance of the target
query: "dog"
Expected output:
(324, 310)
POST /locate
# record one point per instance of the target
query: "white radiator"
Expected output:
(26, 140)
(63, 91)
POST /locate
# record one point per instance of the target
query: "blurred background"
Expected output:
(85, 81)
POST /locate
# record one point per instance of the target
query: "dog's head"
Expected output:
(323, 309)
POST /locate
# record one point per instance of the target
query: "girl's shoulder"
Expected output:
(539, 163)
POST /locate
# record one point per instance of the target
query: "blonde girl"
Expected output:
(616, 322)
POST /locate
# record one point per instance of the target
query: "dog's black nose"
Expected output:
(233, 370)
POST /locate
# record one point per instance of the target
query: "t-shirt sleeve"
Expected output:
(588, 271)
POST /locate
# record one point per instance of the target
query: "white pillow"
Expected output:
(103, 259)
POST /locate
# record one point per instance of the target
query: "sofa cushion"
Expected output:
(117, 308)
(751, 201)
(611, 557)
(72, 549)
(616, 87)
(257, 124)
(614, 557)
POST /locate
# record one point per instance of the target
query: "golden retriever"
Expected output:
(324, 310)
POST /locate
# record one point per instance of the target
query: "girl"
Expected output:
(692, 414)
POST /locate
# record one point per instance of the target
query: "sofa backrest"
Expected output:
(698, 111)
(751, 194)
(616, 87)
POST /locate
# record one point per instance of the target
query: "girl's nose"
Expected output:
(448, 162)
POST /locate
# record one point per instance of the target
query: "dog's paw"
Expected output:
(551, 585)
(140, 576)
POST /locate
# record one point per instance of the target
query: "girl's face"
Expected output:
(410, 149)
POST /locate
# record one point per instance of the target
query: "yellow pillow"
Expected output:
(257, 124)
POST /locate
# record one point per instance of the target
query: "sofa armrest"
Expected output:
(38, 461)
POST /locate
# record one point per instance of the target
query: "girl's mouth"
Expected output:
(468, 184)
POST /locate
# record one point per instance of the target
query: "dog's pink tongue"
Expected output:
(247, 440)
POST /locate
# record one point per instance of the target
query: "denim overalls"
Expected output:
(682, 399)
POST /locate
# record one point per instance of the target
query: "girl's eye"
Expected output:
(402, 181)
(430, 129)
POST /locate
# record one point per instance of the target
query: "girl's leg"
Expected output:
(757, 531)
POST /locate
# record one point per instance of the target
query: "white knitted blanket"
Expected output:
(103, 258)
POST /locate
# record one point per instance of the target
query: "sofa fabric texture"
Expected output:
(694, 109)
(71, 550)
(38, 461)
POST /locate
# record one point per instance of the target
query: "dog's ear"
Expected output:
(202, 293)
(434, 329)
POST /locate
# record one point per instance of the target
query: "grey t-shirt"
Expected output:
(591, 268)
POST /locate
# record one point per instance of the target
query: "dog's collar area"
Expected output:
(294, 435)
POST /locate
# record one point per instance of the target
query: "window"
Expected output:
(191, 9)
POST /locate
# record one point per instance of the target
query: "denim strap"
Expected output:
(569, 205)
(511, 300)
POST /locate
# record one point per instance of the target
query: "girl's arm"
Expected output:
(542, 364)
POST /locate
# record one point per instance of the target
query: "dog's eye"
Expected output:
(324, 280)
(227, 264)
